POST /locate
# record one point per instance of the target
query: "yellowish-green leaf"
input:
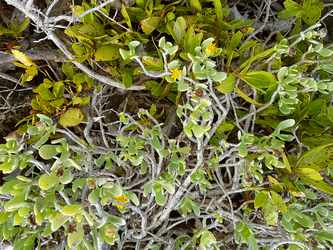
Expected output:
(107, 53)
(71, 210)
(310, 173)
(72, 117)
(260, 199)
(227, 86)
(22, 58)
(57, 221)
(47, 151)
(149, 24)
(195, 4)
(46, 181)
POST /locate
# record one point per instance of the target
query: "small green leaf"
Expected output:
(72, 117)
(227, 86)
(260, 199)
(68, 70)
(71, 210)
(107, 53)
(57, 220)
(324, 52)
(75, 238)
(15, 203)
(278, 202)
(48, 151)
(127, 18)
(304, 220)
(109, 233)
(133, 198)
(127, 77)
(285, 124)
(46, 181)
(324, 235)
(24, 243)
(195, 4)
(179, 29)
(149, 24)
(158, 192)
(219, 76)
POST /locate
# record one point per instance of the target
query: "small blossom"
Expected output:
(121, 198)
(176, 74)
(211, 49)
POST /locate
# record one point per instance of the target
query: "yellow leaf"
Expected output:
(22, 58)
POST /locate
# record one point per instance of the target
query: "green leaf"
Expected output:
(107, 53)
(158, 192)
(271, 214)
(72, 117)
(48, 151)
(259, 79)
(285, 124)
(133, 198)
(324, 235)
(219, 76)
(292, 9)
(316, 156)
(109, 233)
(227, 86)
(207, 240)
(127, 77)
(324, 52)
(57, 220)
(260, 199)
(75, 238)
(195, 4)
(188, 206)
(71, 210)
(68, 70)
(124, 13)
(319, 185)
(46, 181)
(19, 28)
(312, 11)
(25, 243)
(15, 203)
(304, 220)
(149, 24)
(278, 202)
(179, 29)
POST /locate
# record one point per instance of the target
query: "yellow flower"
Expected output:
(120, 207)
(211, 49)
(121, 198)
(176, 74)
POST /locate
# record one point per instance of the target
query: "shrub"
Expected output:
(173, 125)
